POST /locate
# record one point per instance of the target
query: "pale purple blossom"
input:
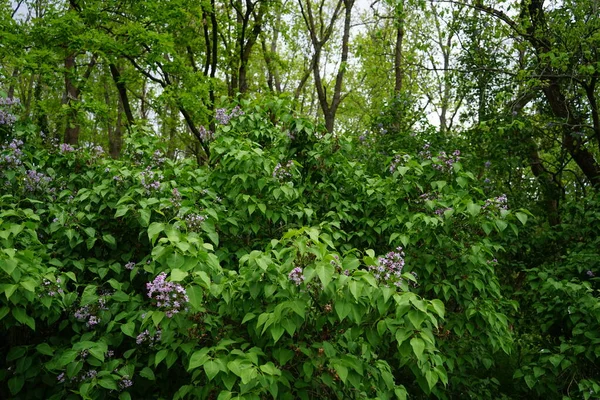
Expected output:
(169, 296)
(282, 172)
(296, 276)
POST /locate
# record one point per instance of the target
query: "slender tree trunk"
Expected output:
(73, 126)
(124, 99)
(398, 67)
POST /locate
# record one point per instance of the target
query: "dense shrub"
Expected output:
(283, 269)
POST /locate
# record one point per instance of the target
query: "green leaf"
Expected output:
(3, 312)
(154, 230)
(178, 275)
(145, 214)
(157, 316)
(44, 348)
(342, 371)
(416, 318)
(276, 332)
(15, 384)
(129, 329)
(194, 294)
(161, 355)
(21, 316)
(473, 208)
(270, 369)
(438, 306)
(325, 272)
(147, 373)
(198, 358)
(110, 240)
(124, 396)
(29, 285)
(8, 266)
(522, 217)
(211, 368)
(501, 225)
(108, 383)
(418, 345)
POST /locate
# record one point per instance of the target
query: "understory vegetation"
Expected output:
(251, 200)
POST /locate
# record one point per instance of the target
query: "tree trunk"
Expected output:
(73, 126)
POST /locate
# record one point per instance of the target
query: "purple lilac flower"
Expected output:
(146, 338)
(130, 265)
(150, 180)
(36, 181)
(194, 221)
(51, 288)
(389, 267)
(66, 148)
(296, 276)
(169, 296)
(176, 198)
(6, 117)
(205, 134)
(223, 117)
(125, 382)
(158, 157)
(447, 161)
(590, 274)
(14, 153)
(61, 377)
(487, 164)
(500, 202)
(282, 172)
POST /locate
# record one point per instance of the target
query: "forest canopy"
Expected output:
(299, 199)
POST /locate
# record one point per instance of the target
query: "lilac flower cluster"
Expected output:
(296, 276)
(223, 117)
(169, 296)
(441, 211)
(150, 180)
(130, 265)
(398, 160)
(194, 221)
(158, 157)
(66, 148)
(590, 273)
(91, 374)
(389, 268)
(207, 135)
(125, 382)
(13, 158)
(89, 313)
(447, 161)
(51, 288)
(176, 198)
(36, 181)
(146, 338)
(500, 202)
(10, 101)
(6, 117)
(282, 172)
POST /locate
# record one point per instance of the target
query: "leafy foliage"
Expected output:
(239, 279)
